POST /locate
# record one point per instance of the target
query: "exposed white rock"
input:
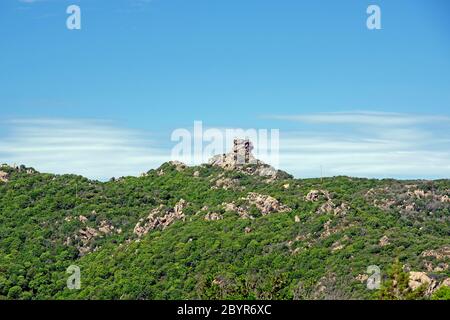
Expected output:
(331, 207)
(336, 246)
(87, 234)
(384, 241)
(329, 230)
(362, 277)
(159, 219)
(266, 204)
(179, 206)
(239, 156)
(179, 166)
(4, 176)
(446, 282)
(105, 227)
(226, 183)
(441, 267)
(243, 211)
(316, 195)
(213, 216)
(241, 159)
(417, 279)
(439, 254)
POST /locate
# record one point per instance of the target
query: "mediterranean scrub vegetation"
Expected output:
(204, 232)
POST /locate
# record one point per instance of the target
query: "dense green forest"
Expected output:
(203, 232)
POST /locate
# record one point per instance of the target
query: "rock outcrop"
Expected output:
(336, 246)
(106, 227)
(4, 176)
(226, 183)
(362, 277)
(85, 237)
(264, 203)
(330, 228)
(327, 229)
(384, 241)
(328, 206)
(439, 254)
(446, 282)
(179, 166)
(242, 211)
(331, 207)
(241, 159)
(421, 279)
(213, 216)
(436, 260)
(239, 156)
(87, 234)
(408, 199)
(316, 195)
(160, 218)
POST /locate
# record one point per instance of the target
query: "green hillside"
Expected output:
(208, 233)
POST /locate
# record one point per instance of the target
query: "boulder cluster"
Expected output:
(328, 206)
(160, 218)
(85, 237)
(421, 279)
(213, 216)
(405, 199)
(437, 260)
(264, 203)
(316, 195)
(226, 183)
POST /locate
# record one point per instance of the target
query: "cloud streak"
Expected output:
(362, 144)
(96, 149)
(367, 144)
(30, 1)
(363, 118)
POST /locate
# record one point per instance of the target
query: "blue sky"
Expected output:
(102, 101)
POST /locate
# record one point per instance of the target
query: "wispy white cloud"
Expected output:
(30, 1)
(367, 144)
(406, 147)
(363, 118)
(95, 149)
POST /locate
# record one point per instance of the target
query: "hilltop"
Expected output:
(222, 230)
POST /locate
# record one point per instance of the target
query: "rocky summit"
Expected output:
(234, 228)
(241, 159)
